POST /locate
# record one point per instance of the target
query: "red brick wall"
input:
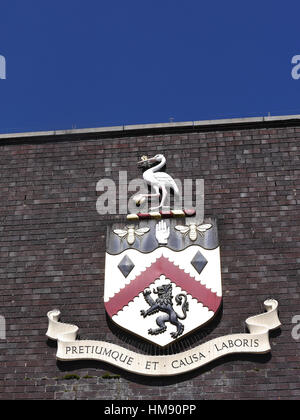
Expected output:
(52, 244)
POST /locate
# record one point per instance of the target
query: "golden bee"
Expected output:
(130, 233)
(192, 230)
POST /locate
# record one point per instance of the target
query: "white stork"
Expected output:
(157, 180)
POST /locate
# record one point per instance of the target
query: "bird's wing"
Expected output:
(166, 179)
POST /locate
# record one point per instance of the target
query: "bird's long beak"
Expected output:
(146, 161)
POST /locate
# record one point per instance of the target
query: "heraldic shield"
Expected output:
(162, 277)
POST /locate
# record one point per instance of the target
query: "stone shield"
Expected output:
(162, 291)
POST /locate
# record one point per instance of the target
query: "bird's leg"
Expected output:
(163, 199)
(157, 194)
(150, 195)
(140, 198)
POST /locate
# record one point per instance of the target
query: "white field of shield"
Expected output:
(130, 318)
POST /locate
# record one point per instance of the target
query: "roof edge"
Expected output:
(141, 127)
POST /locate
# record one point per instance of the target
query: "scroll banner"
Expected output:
(256, 341)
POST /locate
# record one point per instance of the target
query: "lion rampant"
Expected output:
(164, 303)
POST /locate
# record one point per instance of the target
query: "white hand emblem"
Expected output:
(162, 232)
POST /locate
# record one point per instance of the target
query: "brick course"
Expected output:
(52, 245)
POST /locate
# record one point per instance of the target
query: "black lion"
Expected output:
(164, 304)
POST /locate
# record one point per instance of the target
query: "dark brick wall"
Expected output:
(52, 244)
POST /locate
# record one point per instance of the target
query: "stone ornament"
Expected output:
(256, 341)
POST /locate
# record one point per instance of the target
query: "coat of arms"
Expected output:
(163, 281)
(162, 271)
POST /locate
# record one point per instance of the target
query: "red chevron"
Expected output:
(163, 266)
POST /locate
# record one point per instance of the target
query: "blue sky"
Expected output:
(93, 63)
